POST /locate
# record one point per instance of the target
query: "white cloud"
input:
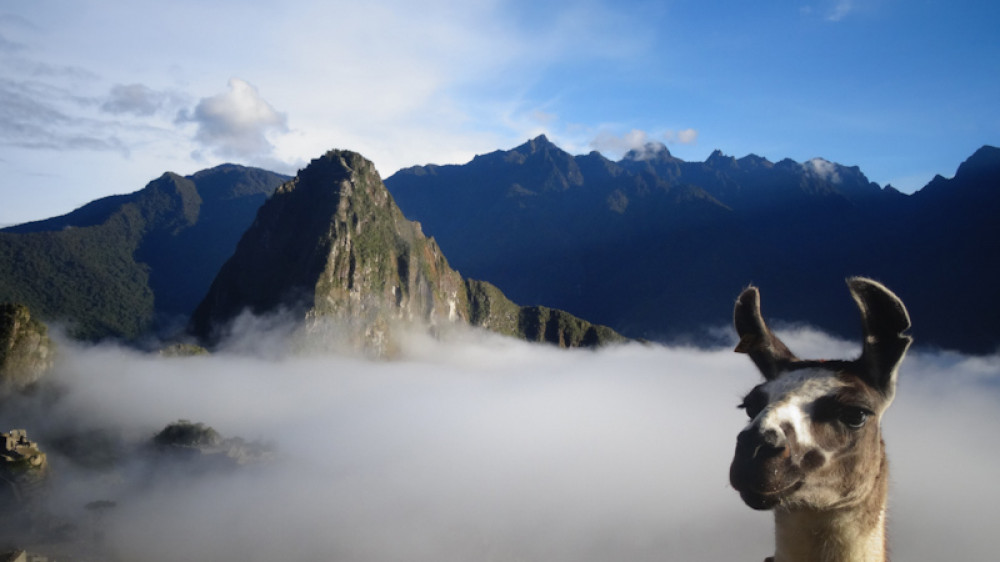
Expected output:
(484, 448)
(684, 136)
(824, 169)
(644, 144)
(610, 143)
(237, 122)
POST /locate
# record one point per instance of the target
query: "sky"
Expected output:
(98, 97)
(478, 447)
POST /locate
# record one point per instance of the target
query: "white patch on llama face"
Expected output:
(789, 394)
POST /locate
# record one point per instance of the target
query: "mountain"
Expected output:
(656, 247)
(125, 265)
(332, 249)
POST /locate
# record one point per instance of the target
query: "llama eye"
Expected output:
(853, 418)
(751, 408)
(754, 403)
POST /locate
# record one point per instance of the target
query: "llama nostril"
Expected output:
(773, 439)
(760, 445)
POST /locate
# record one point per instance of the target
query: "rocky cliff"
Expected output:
(26, 351)
(332, 249)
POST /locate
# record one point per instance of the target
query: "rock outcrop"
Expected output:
(26, 352)
(188, 441)
(23, 472)
(332, 249)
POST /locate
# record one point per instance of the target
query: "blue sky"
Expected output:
(99, 97)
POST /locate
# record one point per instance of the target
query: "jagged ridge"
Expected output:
(655, 247)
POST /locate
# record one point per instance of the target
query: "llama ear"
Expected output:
(769, 353)
(884, 319)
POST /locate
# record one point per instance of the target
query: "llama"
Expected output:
(813, 450)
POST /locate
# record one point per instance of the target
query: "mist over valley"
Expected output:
(475, 447)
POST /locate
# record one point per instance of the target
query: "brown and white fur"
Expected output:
(813, 450)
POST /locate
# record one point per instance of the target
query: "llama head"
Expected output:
(813, 439)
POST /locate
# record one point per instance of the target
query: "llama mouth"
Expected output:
(767, 500)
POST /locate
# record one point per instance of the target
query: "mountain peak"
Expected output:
(752, 160)
(984, 161)
(232, 181)
(541, 143)
(332, 245)
(652, 150)
(718, 160)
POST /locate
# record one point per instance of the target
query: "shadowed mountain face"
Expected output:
(126, 265)
(656, 247)
(332, 249)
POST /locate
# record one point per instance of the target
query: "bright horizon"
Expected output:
(98, 98)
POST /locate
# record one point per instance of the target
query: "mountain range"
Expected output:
(650, 245)
(656, 247)
(328, 250)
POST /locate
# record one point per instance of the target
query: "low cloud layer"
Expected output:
(482, 448)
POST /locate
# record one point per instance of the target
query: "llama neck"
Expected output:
(850, 534)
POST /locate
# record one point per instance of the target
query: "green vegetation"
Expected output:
(539, 323)
(84, 276)
(117, 266)
(490, 309)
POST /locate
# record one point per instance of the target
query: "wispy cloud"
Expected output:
(8, 46)
(840, 10)
(137, 99)
(35, 115)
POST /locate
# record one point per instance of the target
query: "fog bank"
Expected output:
(483, 448)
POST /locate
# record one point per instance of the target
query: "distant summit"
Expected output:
(983, 164)
(332, 249)
(649, 151)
